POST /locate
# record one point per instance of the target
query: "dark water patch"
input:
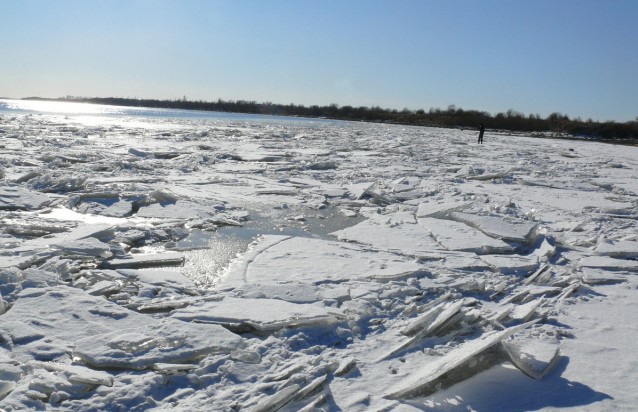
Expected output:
(208, 254)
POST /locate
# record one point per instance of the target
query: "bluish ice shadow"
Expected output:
(504, 388)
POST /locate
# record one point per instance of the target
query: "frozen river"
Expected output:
(200, 261)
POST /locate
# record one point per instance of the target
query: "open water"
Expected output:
(71, 109)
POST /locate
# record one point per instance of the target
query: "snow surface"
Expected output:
(184, 264)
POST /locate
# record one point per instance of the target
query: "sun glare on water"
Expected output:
(56, 107)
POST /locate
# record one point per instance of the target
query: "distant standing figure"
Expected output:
(481, 131)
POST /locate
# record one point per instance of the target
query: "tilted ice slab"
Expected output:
(18, 198)
(178, 210)
(100, 231)
(512, 264)
(601, 277)
(256, 314)
(433, 209)
(145, 260)
(407, 239)
(81, 241)
(103, 334)
(497, 227)
(459, 236)
(619, 249)
(535, 358)
(292, 291)
(606, 262)
(251, 152)
(158, 277)
(88, 247)
(426, 380)
(466, 261)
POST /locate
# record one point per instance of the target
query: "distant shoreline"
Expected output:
(555, 125)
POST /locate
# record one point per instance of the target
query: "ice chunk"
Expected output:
(405, 183)
(178, 210)
(605, 262)
(251, 152)
(103, 287)
(157, 154)
(536, 276)
(511, 264)
(294, 292)
(440, 210)
(346, 366)
(432, 322)
(497, 227)
(278, 400)
(545, 251)
(146, 260)
(21, 262)
(17, 198)
(120, 208)
(428, 378)
(145, 345)
(87, 247)
(599, 277)
(489, 176)
(460, 237)
(170, 368)
(525, 311)
(103, 334)
(77, 373)
(257, 314)
(534, 358)
(359, 190)
(100, 231)
(53, 182)
(451, 260)
(158, 277)
(423, 321)
(408, 239)
(618, 249)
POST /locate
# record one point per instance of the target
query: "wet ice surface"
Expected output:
(239, 265)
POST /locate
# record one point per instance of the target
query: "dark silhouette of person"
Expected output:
(481, 131)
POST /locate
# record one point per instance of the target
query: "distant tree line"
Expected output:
(451, 117)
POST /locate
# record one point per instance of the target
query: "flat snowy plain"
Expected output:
(245, 264)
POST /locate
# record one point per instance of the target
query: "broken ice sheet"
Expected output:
(619, 249)
(294, 292)
(278, 259)
(257, 314)
(440, 209)
(521, 232)
(460, 237)
(535, 358)
(103, 334)
(18, 198)
(609, 263)
(512, 264)
(428, 378)
(87, 247)
(178, 210)
(158, 277)
(407, 239)
(142, 260)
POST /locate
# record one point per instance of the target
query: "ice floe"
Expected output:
(252, 264)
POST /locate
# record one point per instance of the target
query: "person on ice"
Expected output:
(481, 131)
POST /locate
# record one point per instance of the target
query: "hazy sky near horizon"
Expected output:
(577, 57)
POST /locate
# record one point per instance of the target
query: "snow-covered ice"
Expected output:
(244, 264)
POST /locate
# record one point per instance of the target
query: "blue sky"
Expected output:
(577, 57)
